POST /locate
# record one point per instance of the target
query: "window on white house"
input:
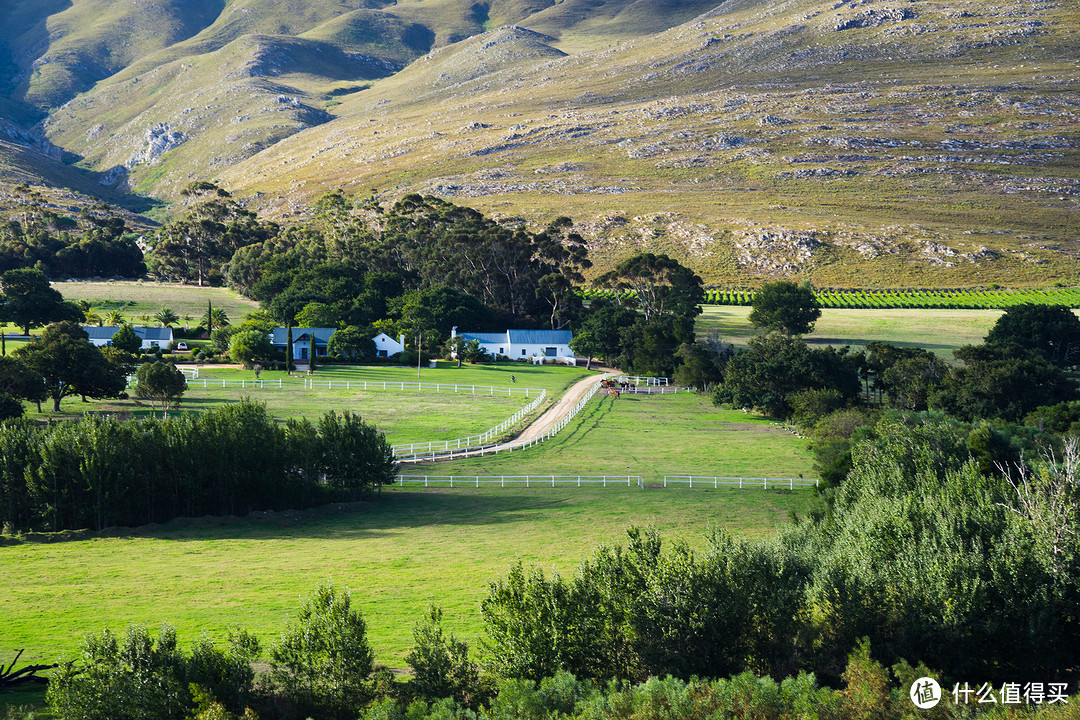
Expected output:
(501, 351)
(522, 351)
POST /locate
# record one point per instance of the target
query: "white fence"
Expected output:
(602, 480)
(413, 450)
(484, 450)
(715, 482)
(526, 480)
(642, 380)
(208, 383)
(653, 390)
(437, 387)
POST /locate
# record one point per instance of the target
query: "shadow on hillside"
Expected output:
(383, 516)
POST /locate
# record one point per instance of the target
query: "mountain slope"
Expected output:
(922, 143)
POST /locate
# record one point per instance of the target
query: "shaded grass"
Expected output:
(397, 554)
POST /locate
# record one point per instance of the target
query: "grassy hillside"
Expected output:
(907, 144)
(758, 140)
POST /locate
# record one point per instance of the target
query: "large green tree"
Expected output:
(162, 383)
(785, 306)
(1053, 331)
(196, 247)
(657, 286)
(29, 301)
(250, 346)
(70, 365)
(1004, 382)
(776, 366)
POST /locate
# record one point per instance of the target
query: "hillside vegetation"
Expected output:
(928, 144)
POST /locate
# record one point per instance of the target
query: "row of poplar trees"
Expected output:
(102, 471)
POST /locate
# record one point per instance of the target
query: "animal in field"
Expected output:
(614, 391)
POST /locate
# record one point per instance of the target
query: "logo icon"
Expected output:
(925, 693)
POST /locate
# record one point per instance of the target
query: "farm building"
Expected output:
(151, 337)
(386, 346)
(524, 344)
(301, 338)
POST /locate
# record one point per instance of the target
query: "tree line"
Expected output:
(89, 244)
(99, 472)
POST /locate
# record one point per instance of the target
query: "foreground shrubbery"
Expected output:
(103, 471)
(922, 563)
(931, 559)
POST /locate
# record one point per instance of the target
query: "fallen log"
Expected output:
(10, 677)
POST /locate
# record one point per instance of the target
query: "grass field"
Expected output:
(940, 331)
(140, 300)
(398, 553)
(651, 436)
(405, 415)
(411, 546)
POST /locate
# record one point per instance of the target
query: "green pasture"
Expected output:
(411, 546)
(139, 301)
(651, 436)
(407, 415)
(940, 331)
(397, 553)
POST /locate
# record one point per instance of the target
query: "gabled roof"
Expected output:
(144, 333)
(484, 338)
(322, 335)
(540, 337)
(522, 337)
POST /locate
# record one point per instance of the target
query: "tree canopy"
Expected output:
(162, 383)
(1052, 331)
(785, 306)
(70, 365)
(29, 301)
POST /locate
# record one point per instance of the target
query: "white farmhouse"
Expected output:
(386, 346)
(524, 344)
(151, 337)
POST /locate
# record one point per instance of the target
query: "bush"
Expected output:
(322, 661)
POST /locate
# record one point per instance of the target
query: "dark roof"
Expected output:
(280, 335)
(144, 333)
(540, 337)
(522, 337)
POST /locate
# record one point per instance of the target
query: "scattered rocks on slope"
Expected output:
(159, 139)
(775, 252)
(874, 16)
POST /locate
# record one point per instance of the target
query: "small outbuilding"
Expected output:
(386, 346)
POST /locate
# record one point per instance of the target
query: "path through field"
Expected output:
(542, 424)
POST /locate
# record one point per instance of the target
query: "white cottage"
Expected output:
(524, 344)
(386, 346)
(151, 337)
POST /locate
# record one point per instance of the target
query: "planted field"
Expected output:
(954, 299)
(940, 331)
